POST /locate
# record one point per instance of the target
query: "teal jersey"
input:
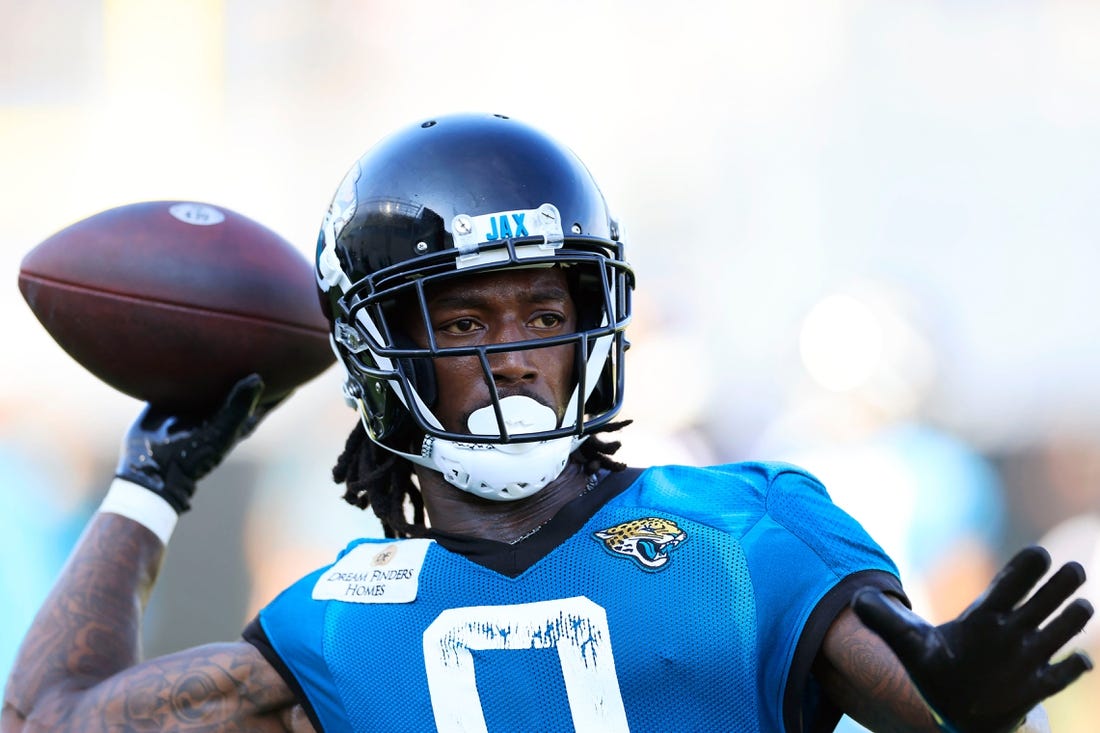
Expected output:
(681, 598)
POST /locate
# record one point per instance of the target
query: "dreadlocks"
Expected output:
(376, 478)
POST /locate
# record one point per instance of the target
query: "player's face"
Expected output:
(494, 308)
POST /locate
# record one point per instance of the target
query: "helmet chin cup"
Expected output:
(503, 471)
(487, 471)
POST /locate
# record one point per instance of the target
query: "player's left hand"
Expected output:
(983, 671)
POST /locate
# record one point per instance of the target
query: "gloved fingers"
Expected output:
(1015, 580)
(238, 407)
(262, 409)
(1050, 596)
(153, 420)
(1059, 631)
(902, 630)
(1057, 677)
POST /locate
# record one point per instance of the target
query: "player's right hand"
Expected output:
(168, 454)
(983, 671)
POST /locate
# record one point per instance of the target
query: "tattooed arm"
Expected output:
(78, 668)
(864, 679)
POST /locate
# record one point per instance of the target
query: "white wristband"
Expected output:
(1036, 721)
(141, 505)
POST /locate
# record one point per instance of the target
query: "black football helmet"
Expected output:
(453, 196)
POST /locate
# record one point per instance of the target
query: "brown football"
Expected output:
(172, 302)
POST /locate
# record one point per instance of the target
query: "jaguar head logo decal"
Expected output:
(646, 541)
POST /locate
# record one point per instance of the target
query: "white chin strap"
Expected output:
(502, 472)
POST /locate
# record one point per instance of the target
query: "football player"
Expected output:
(478, 294)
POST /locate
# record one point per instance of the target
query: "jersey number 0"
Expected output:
(576, 627)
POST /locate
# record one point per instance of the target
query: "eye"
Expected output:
(547, 320)
(460, 326)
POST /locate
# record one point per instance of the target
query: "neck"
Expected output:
(454, 511)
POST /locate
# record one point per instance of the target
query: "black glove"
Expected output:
(168, 454)
(984, 671)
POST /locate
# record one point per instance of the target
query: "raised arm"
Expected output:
(79, 667)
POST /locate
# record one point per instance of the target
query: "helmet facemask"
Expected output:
(514, 445)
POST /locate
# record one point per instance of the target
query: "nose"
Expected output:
(512, 367)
